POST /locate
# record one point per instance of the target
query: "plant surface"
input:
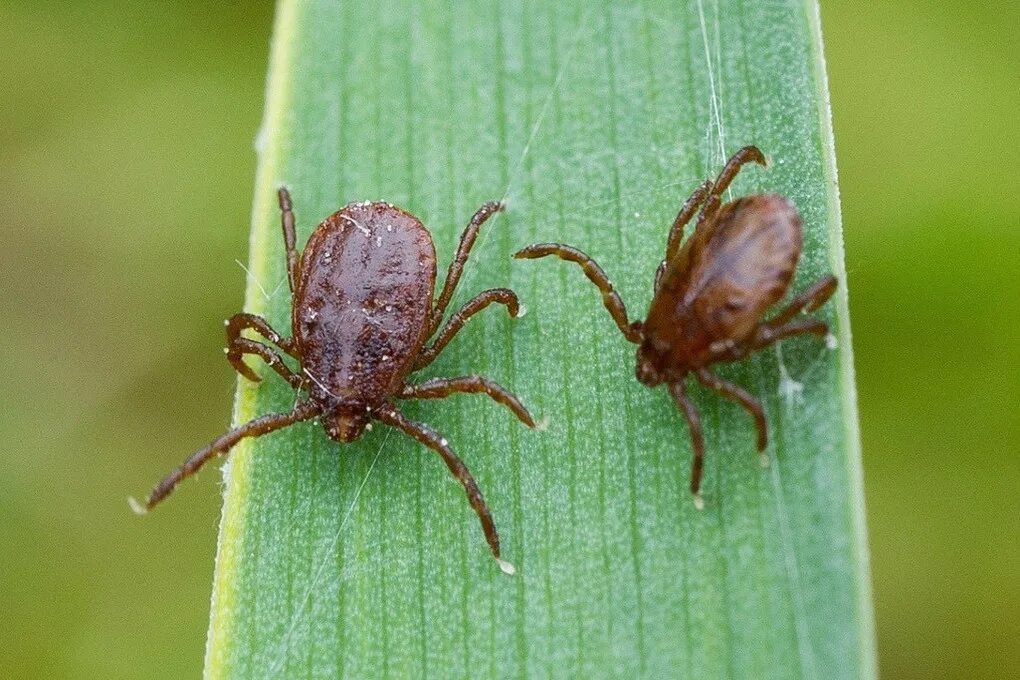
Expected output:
(594, 121)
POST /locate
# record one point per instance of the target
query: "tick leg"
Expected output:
(427, 436)
(503, 296)
(747, 154)
(679, 394)
(254, 428)
(610, 298)
(768, 335)
(808, 301)
(240, 322)
(467, 242)
(241, 346)
(690, 207)
(742, 397)
(289, 239)
(436, 388)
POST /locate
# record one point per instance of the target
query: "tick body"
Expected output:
(363, 320)
(711, 294)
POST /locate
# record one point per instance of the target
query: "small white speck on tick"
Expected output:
(830, 341)
(226, 322)
(389, 308)
(521, 311)
(443, 442)
(763, 458)
(699, 502)
(368, 427)
(506, 567)
(137, 507)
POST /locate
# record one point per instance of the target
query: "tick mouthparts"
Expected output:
(506, 567)
(136, 507)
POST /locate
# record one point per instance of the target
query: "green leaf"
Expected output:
(594, 120)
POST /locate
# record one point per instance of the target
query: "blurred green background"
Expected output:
(126, 170)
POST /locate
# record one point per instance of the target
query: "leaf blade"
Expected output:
(367, 559)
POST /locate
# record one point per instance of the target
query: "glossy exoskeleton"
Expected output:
(711, 293)
(361, 320)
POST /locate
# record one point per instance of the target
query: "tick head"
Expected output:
(346, 422)
(650, 363)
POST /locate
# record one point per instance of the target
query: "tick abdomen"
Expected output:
(727, 277)
(361, 307)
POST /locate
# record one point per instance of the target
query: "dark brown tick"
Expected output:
(711, 293)
(361, 319)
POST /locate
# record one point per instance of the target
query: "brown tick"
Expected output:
(361, 319)
(711, 293)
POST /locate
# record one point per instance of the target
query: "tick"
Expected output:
(362, 318)
(711, 293)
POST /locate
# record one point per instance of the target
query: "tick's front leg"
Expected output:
(430, 438)
(679, 394)
(742, 397)
(223, 444)
(610, 298)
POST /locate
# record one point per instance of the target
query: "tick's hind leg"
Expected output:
(254, 428)
(241, 346)
(238, 346)
(240, 322)
(742, 397)
(610, 298)
(289, 237)
(467, 242)
(437, 388)
(679, 394)
(748, 154)
(427, 436)
(503, 296)
(808, 301)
